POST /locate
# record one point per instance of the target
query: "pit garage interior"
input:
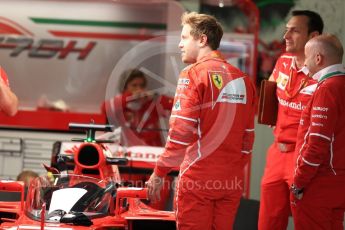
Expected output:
(93, 41)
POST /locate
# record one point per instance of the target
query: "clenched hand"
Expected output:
(154, 185)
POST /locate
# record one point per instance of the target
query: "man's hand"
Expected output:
(154, 185)
(297, 192)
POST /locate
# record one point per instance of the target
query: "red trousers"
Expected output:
(275, 189)
(322, 205)
(208, 204)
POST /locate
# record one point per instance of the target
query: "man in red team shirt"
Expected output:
(138, 111)
(8, 100)
(319, 180)
(294, 89)
(211, 131)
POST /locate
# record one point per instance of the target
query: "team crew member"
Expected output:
(294, 89)
(319, 181)
(8, 100)
(138, 111)
(211, 131)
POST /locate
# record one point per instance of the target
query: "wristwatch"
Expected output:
(297, 192)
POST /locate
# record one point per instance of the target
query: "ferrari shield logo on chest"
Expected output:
(282, 80)
(217, 80)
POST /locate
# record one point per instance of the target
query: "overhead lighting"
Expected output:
(219, 3)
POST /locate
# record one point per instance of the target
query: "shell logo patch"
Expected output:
(217, 80)
(177, 106)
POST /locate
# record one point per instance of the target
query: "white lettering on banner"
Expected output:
(319, 116)
(292, 105)
(323, 109)
(45, 48)
(316, 124)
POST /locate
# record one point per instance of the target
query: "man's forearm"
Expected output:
(8, 100)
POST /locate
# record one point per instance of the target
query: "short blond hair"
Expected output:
(204, 24)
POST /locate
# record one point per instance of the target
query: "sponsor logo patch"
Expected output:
(309, 90)
(182, 87)
(321, 116)
(231, 96)
(282, 80)
(183, 81)
(323, 109)
(301, 122)
(217, 80)
(234, 92)
(290, 104)
(177, 106)
(316, 124)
